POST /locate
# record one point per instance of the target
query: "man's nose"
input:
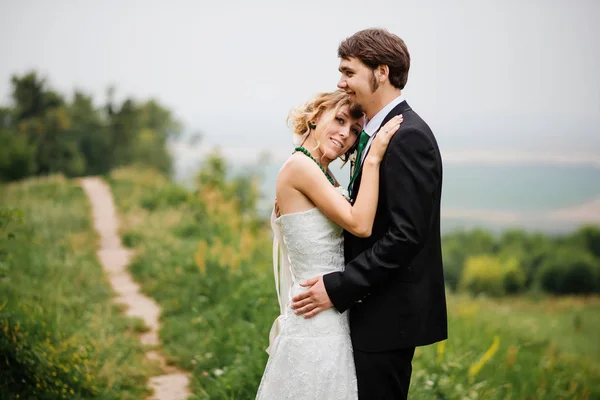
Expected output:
(341, 83)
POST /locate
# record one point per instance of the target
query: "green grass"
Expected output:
(212, 280)
(61, 335)
(217, 310)
(528, 363)
(571, 323)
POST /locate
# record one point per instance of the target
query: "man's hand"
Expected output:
(314, 300)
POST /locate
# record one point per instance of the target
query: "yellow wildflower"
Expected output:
(441, 348)
(475, 368)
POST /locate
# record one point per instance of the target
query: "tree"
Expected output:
(570, 271)
(588, 237)
(530, 249)
(41, 133)
(458, 246)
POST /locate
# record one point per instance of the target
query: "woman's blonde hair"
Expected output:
(302, 118)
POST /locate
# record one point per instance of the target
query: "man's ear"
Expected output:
(383, 72)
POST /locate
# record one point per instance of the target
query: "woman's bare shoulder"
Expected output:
(296, 165)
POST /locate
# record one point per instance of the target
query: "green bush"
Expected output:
(37, 365)
(588, 237)
(492, 275)
(169, 196)
(17, 157)
(460, 245)
(570, 271)
(530, 249)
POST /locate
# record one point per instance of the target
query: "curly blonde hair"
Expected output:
(302, 118)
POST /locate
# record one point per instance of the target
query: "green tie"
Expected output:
(362, 143)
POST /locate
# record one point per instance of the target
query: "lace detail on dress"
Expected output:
(309, 358)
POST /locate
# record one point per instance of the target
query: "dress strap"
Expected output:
(282, 274)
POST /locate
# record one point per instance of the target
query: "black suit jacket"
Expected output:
(393, 282)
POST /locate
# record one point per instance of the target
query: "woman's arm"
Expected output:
(308, 178)
(413, 172)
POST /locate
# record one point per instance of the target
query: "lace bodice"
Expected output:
(315, 244)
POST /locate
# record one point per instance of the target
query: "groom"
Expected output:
(393, 282)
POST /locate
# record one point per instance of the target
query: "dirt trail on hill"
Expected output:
(173, 385)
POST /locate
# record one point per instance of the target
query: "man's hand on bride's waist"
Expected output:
(312, 301)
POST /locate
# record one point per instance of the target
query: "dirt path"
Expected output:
(114, 259)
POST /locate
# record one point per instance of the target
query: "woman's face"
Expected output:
(337, 132)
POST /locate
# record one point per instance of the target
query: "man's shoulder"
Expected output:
(414, 122)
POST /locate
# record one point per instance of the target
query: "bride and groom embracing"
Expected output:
(358, 274)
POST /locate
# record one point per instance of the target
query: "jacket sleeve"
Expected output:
(410, 175)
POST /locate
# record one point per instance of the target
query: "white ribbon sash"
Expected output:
(283, 280)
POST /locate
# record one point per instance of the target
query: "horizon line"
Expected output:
(450, 156)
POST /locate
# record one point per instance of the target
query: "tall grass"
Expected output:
(210, 270)
(496, 350)
(61, 336)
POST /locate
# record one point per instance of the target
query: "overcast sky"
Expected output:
(510, 78)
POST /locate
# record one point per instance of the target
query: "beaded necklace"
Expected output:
(303, 150)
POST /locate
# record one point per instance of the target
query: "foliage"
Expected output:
(588, 238)
(460, 245)
(205, 257)
(571, 257)
(242, 189)
(492, 275)
(42, 132)
(570, 272)
(61, 335)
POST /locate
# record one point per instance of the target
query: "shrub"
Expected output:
(168, 196)
(492, 275)
(36, 365)
(460, 245)
(569, 271)
(589, 238)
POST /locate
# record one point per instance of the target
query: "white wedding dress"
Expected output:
(308, 358)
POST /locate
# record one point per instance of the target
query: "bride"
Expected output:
(311, 358)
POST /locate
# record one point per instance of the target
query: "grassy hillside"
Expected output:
(60, 334)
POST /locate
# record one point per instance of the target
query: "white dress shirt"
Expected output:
(375, 123)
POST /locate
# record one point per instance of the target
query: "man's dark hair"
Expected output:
(375, 47)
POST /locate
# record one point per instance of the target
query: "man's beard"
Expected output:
(374, 83)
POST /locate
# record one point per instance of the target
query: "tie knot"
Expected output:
(362, 140)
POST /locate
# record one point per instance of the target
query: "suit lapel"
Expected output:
(399, 109)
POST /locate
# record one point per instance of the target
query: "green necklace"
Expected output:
(303, 150)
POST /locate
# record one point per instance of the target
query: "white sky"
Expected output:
(512, 78)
